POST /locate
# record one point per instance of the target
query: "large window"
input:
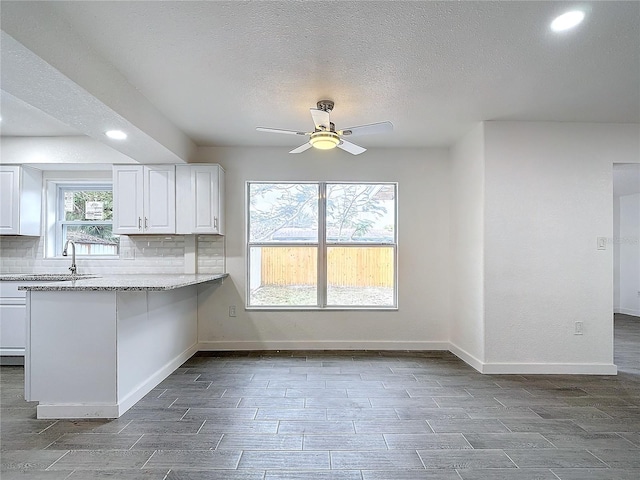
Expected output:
(321, 245)
(84, 214)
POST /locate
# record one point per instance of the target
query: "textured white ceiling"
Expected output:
(20, 119)
(217, 70)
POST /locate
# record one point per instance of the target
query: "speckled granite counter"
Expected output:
(100, 282)
(42, 277)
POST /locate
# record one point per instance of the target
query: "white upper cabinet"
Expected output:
(160, 199)
(20, 200)
(200, 199)
(144, 199)
(127, 199)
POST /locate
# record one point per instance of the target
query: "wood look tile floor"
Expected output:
(343, 416)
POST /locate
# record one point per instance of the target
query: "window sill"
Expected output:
(86, 257)
(316, 309)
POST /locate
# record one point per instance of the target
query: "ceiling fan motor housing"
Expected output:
(325, 105)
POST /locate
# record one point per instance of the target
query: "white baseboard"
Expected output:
(154, 380)
(627, 311)
(466, 357)
(550, 369)
(533, 368)
(482, 367)
(12, 352)
(77, 411)
(321, 345)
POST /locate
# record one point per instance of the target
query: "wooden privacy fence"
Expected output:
(346, 266)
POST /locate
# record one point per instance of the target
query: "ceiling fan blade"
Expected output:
(320, 119)
(351, 147)
(301, 148)
(381, 127)
(280, 130)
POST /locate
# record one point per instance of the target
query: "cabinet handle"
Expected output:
(146, 223)
(139, 223)
(215, 222)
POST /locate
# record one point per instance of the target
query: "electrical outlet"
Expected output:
(602, 243)
(232, 310)
(578, 329)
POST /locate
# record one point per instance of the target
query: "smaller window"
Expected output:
(84, 214)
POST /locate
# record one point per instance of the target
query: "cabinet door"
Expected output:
(204, 192)
(128, 187)
(13, 327)
(159, 199)
(9, 200)
(199, 199)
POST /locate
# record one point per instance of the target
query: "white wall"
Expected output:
(627, 243)
(548, 195)
(467, 333)
(497, 243)
(422, 319)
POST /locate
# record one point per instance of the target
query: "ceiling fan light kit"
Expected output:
(324, 140)
(325, 136)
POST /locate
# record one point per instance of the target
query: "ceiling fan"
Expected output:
(325, 136)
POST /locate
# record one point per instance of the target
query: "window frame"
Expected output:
(322, 246)
(57, 224)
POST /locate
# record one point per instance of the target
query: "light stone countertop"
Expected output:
(101, 282)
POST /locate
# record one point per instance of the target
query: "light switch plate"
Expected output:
(602, 243)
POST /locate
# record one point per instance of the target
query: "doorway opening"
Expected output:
(626, 266)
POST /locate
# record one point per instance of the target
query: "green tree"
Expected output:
(352, 210)
(78, 213)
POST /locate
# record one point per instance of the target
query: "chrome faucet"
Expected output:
(73, 267)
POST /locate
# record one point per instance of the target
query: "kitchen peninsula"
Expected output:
(96, 346)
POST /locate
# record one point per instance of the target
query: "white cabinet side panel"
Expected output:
(72, 347)
(221, 201)
(31, 201)
(150, 341)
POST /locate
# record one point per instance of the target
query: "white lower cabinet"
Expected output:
(12, 320)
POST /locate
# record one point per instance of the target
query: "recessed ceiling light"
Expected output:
(567, 20)
(116, 134)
